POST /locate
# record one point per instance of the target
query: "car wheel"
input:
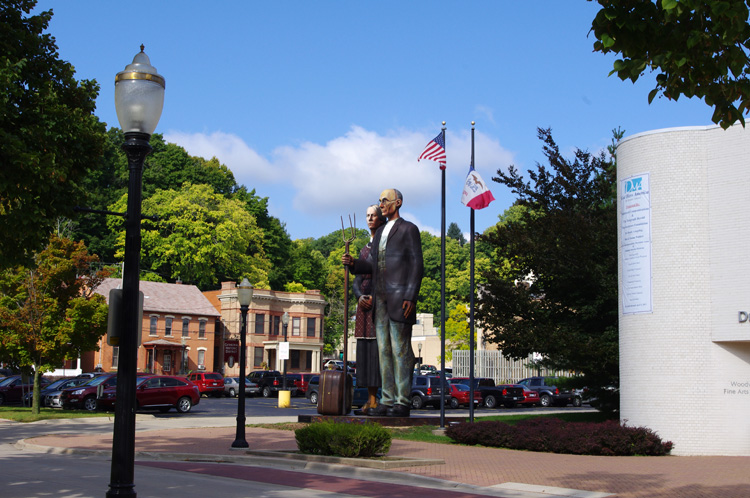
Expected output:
(490, 401)
(232, 392)
(416, 402)
(545, 400)
(314, 398)
(266, 392)
(89, 403)
(184, 404)
(577, 401)
(455, 403)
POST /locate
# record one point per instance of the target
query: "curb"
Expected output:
(383, 463)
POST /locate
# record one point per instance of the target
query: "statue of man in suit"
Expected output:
(396, 265)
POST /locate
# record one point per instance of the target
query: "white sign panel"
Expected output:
(635, 244)
(283, 350)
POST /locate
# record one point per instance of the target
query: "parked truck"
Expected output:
(270, 382)
(550, 395)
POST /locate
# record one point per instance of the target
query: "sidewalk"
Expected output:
(486, 471)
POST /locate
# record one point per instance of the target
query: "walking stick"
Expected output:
(347, 241)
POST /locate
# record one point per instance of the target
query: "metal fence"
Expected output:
(494, 365)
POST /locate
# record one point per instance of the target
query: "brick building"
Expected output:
(265, 330)
(178, 331)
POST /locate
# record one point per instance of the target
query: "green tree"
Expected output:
(457, 330)
(49, 134)
(49, 313)
(200, 237)
(563, 231)
(698, 48)
(454, 232)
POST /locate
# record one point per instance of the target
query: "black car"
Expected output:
(426, 390)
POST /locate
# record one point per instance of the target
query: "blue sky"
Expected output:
(321, 105)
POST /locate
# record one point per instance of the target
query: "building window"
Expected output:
(167, 363)
(168, 326)
(276, 329)
(311, 327)
(185, 327)
(201, 359)
(259, 323)
(115, 356)
(294, 357)
(152, 327)
(295, 326)
(202, 329)
(257, 357)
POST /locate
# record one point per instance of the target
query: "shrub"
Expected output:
(343, 439)
(556, 436)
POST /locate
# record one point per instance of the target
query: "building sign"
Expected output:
(231, 351)
(635, 244)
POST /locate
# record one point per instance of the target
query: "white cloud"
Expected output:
(311, 180)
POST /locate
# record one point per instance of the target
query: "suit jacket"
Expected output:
(404, 268)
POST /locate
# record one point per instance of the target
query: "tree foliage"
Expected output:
(49, 134)
(49, 313)
(563, 231)
(698, 48)
(200, 237)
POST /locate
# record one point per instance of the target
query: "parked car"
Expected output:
(232, 387)
(294, 383)
(159, 391)
(209, 383)
(361, 395)
(53, 388)
(84, 396)
(426, 390)
(530, 398)
(13, 388)
(305, 381)
(460, 396)
(428, 370)
(493, 396)
(312, 389)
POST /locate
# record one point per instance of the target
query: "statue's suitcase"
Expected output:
(335, 393)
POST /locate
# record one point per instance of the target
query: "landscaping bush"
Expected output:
(557, 436)
(343, 439)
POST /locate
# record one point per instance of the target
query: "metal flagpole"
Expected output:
(471, 298)
(442, 294)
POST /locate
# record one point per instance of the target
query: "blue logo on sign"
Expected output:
(634, 185)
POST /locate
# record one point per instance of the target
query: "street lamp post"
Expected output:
(419, 347)
(285, 322)
(139, 99)
(244, 297)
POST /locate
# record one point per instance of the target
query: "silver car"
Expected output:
(50, 395)
(232, 387)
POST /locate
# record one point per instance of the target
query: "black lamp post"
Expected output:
(244, 296)
(419, 346)
(139, 99)
(285, 322)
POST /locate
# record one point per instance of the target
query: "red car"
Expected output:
(158, 391)
(208, 383)
(13, 388)
(530, 398)
(460, 395)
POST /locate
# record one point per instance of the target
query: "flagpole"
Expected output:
(442, 294)
(471, 298)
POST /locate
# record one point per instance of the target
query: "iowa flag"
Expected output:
(476, 195)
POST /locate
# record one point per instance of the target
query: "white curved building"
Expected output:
(684, 283)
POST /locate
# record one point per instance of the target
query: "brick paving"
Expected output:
(627, 477)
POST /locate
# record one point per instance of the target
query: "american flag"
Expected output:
(435, 151)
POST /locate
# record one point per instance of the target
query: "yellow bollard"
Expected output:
(284, 397)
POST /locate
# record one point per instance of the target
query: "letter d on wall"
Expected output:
(743, 316)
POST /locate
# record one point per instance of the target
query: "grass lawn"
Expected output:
(23, 414)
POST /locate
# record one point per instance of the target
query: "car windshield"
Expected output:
(99, 380)
(213, 376)
(7, 381)
(461, 387)
(56, 384)
(141, 380)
